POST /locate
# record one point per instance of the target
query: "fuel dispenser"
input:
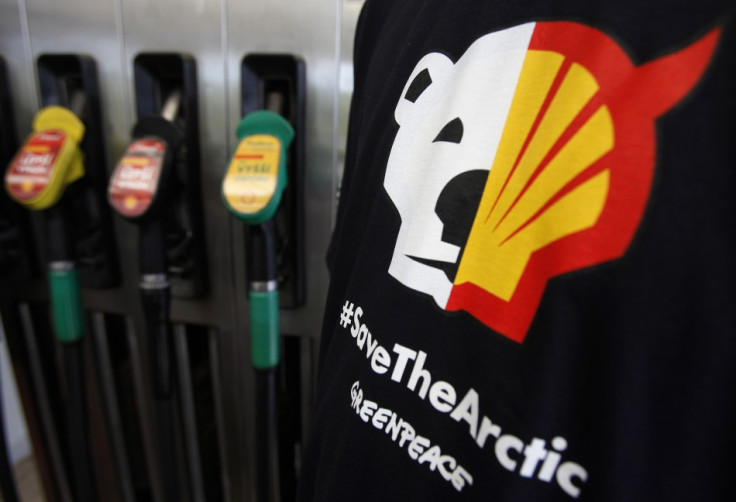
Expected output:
(154, 186)
(57, 172)
(214, 386)
(263, 187)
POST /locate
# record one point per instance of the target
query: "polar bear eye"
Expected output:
(452, 132)
(418, 85)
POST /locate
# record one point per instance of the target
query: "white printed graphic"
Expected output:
(419, 448)
(537, 458)
(477, 90)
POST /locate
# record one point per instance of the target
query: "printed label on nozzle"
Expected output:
(30, 171)
(135, 180)
(252, 177)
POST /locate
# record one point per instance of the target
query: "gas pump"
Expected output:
(139, 191)
(38, 177)
(156, 187)
(144, 52)
(57, 173)
(251, 190)
(263, 187)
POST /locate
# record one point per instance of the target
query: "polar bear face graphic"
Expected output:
(529, 156)
(451, 117)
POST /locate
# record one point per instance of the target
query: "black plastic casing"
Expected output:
(157, 76)
(262, 74)
(60, 76)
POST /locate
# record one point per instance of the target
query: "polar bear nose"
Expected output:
(456, 208)
(452, 132)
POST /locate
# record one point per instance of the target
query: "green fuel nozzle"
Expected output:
(256, 176)
(263, 293)
(251, 190)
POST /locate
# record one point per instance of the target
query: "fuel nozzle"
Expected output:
(50, 159)
(256, 176)
(138, 191)
(37, 178)
(47, 163)
(251, 190)
(141, 181)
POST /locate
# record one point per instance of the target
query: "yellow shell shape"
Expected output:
(516, 216)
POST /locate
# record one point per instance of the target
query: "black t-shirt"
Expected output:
(533, 281)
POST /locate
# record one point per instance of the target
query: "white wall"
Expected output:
(16, 433)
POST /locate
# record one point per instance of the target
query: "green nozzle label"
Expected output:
(252, 178)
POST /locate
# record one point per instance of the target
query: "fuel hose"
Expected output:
(251, 190)
(47, 163)
(139, 191)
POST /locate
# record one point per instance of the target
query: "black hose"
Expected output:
(267, 461)
(261, 268)
(158, 332)
(165, 432)
(152, 248)
(58, 234)
(156, 300)
(82, 473)
(260, 241)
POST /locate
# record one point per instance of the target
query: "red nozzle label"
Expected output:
(135, 180)
(31, 169)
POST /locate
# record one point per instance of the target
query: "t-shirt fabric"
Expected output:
(532, 270)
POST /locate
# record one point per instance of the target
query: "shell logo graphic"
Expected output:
(530, 156)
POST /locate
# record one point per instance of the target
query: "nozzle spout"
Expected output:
(77, 103)
(275, 102)
(171, 107)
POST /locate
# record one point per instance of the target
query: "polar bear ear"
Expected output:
(433, 70)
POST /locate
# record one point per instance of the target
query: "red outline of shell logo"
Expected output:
(572, 161)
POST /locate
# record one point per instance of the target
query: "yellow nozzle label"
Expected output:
(252, 177)
(48, 161)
